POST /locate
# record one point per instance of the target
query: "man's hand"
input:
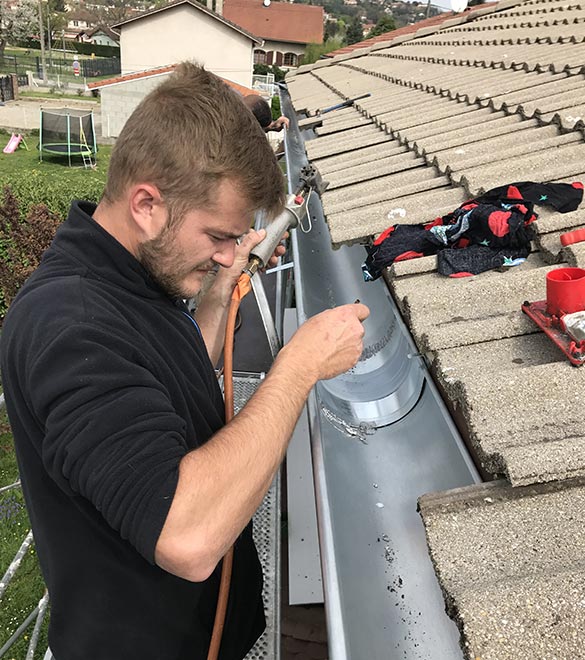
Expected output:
(279, 124)
(329, 343)
(229, 276)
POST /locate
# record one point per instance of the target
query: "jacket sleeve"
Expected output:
(111, 433)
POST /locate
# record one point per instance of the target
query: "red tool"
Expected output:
(565, 297)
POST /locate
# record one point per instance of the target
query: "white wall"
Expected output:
(279, 48)
(119, 101)
(185, 33)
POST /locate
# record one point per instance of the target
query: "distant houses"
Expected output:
(285, 28)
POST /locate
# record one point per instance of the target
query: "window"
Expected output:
(290, 59)
(259, 57)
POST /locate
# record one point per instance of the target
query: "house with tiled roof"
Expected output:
(286, 28)
(101, 35)
(78, 20)
(187, 30)
(455, 107)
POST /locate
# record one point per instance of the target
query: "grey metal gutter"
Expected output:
(381, 437)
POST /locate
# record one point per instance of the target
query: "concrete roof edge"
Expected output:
(401, 38)
(483, 493)
(382, 44)
(507, 4)
(319, 64)
(453, 22)
(429, 29)
(360, 52)
(304, 68)
(343, 57)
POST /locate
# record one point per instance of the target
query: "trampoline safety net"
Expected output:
(67, 132)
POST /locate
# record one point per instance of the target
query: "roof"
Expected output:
(104, 29)
(280, 21)
(433, 22)
(482, 99)
(195, 5)
(80, 14)
(159, 71)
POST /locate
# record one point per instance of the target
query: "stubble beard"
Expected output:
(167, 267)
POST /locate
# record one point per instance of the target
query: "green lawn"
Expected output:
(57, 95)
(27, 586)
(52, 181)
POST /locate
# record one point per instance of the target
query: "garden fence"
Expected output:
(6, 88)
(59, 66)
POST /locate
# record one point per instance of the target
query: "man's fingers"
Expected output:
(359, 309)
(251, 240)
(362, 311)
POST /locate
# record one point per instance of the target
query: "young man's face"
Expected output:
(181, 257)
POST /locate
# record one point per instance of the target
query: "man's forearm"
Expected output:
(222, 483)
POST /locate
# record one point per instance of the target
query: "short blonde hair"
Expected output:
(185, 137)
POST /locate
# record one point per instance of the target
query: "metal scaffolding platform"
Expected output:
(267, 539)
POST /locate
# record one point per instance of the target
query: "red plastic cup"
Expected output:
(565, 291)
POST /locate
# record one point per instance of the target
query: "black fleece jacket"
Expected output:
(108, 385)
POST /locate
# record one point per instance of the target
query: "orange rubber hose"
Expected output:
(242, 288)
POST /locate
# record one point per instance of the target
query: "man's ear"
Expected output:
(147, 210)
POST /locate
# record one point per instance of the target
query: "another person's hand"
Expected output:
(331, 342)
(279, 124)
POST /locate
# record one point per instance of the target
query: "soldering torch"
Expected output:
(291, 216)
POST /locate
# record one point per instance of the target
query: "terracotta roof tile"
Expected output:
(281, 21)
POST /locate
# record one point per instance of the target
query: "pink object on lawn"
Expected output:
(13, 143)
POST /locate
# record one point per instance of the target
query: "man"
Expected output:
(261, 110)
(134, 484)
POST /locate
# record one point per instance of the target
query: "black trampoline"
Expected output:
(67, 132)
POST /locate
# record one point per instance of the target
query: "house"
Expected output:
(121, 95)
(101, 36)
(285, 28)
(79, 20)
(458, 105)
(187, 30)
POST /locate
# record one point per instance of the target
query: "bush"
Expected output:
(55, 194)
(275, 107)
(265, 69)
(30, 212)
(98, 50)
(22, 243)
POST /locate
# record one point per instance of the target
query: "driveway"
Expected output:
(24, 114)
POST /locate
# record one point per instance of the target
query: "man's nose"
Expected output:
(226, 256)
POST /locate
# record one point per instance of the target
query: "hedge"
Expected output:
(84, 49)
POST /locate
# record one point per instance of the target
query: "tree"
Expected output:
(18, 23)
(354, 32)
(265, 69)
(384, 24)
(313, 52)
(331, 29)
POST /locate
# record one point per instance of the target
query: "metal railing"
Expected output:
(38, 613)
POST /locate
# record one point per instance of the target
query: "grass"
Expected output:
(27, 586)
(57, 95)
(51, 181)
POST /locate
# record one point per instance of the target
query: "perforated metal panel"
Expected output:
(267, 539)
